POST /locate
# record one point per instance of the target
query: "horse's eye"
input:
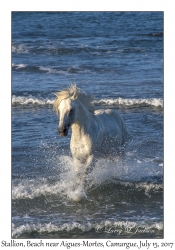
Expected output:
(72, 109)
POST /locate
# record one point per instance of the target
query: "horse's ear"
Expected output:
(75, 95)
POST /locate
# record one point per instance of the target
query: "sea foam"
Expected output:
(66, 184)
(100, 227)
(157, 102)
(154, 102)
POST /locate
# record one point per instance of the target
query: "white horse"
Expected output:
(94, 133)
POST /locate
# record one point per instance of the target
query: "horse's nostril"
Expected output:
(60, 131)
(63, 131)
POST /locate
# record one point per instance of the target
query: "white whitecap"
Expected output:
(157, 102)
(100, 227)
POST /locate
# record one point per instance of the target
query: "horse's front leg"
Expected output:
(121, 155)
(88, 169)
(77, 166)
(83, 167)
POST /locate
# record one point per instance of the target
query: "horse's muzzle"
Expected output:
(63, 132)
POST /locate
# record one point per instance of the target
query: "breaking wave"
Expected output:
(21, 100)
(33, 189)
(140, 102)
(118, 227)
(106, 173)
(58, 190)
(156, 102)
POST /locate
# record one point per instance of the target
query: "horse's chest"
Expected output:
(81, 149)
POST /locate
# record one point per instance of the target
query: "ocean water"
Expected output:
(117, 57)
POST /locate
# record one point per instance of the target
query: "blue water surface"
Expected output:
(117, 57)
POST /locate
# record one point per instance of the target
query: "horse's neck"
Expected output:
(81, 127)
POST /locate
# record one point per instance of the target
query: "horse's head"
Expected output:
(68, 105)
(67, 114)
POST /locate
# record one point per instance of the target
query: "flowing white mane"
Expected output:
(75, 93)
